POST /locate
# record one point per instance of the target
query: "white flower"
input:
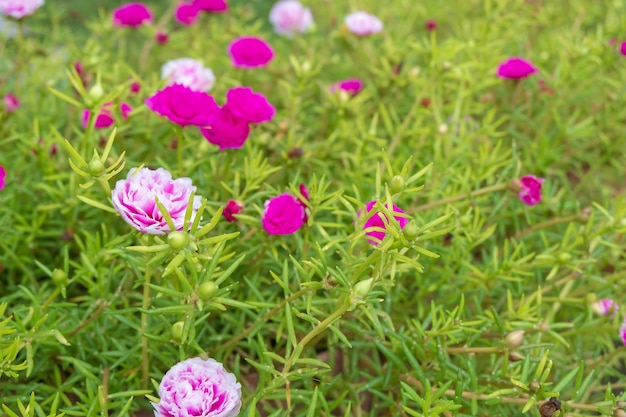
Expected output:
(188, 72)
(290, 17)
(19, 9)
(362, 24)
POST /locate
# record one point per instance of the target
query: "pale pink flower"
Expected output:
(161, 37)
(283, 215)
(516, 68)
(530, 189)
(247, 105)
(290, 17)
(132, 15)
(198, 388)
(226, 130)
(605, 306)
(19, 9)
(3, 175)
(186, 14)
(188, 72)
(211, 6)
(352, 86)
(10, 102)
(135, 200)
(380, 221)
(184, 106)
(232, 207)
(363, 24)
(250, 52)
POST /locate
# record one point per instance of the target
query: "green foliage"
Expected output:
(479, 306)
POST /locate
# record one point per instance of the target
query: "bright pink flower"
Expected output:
(352, 86)
(10, 102)
(380, 221)
(605, 306)
(226, 130)
(188, 72)
(248, 105)
(622, 331)
(622, 48)
(212, 6)
(3, 175)
(186, 14)
(516, 68)
(283, 215)
(135, 87)
(132, 15)
(363, 24)
(135, 200)
(200, 388)
(290, 17)
(232, 207)
(105, 118)
(18, 9)
(305, 193)
(250, 52)
(161, 37)
(431, 24)
(183, 106)
(530, 192)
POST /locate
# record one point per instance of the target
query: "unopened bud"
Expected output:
(177, 330)
(361, 289)
(397, 184)
(563, 258)
(207, 290)
(95, 93)
(443, 128)
(96, 167)
(534, 386)
(514, 339)
(516, 356)
(59, 277)
(619, 413)
(178, 240)
(410, 231)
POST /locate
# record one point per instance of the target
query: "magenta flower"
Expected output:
(183, 106)
(283, 215)
(186, 14)
(188, 72)
(211, 6)
(11, 103)
(305, 193)
(516, 68)
(3, 175)
(622, 331)
(226, 130)
(530, 191)
(161, 37)
(380, 220)
(605, 306)
(132, 15)
(250, 52)
(232, 207)
(248, 105)
(198, 388)
(622, 48)
(135, 87)
(352, 86)
(363, 24)
(19, 9)
(105, 118)
(290, 17)
(431, 25)
(135, 200)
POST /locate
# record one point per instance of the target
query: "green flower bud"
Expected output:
(59, 277)
(178, 240)
(534, 386)
(96, 167)
(514, 339)
(361, 289)
(397, 184)
(177, 330)
(465, 220)
(563, 257)
(207, 290)
(95, 93)
(410, 231)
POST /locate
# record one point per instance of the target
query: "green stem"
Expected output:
(90, 124)
(547, 223)
(145, 305)
(459, 197)
(179, 148)
(474, 350)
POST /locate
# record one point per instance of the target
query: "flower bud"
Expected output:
(410, 231)
(619, 413)
(515, 356)
(362, 288)
(177, 330)
(534, 386)
(514, 339)
(397, 184)
(95, 93)
(207, 290)
(59, 277)
(96, 167)
(178, 240)
(563, 258)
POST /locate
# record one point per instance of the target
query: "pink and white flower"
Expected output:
(10, 103)
(19, 9)
(290, 17)
(530, 189)
(283, 215)
(605, 307)
(516, 68)
(380, 221)
(622, 331)
(188, 72)
(362, 24)
(198, 388)
(135, 200)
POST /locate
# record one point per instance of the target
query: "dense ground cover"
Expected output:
(442, 236)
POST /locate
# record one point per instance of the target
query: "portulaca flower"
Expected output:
(19, 9)
(188, 72)
(363, 24)
(199, 388)
(290, 17)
